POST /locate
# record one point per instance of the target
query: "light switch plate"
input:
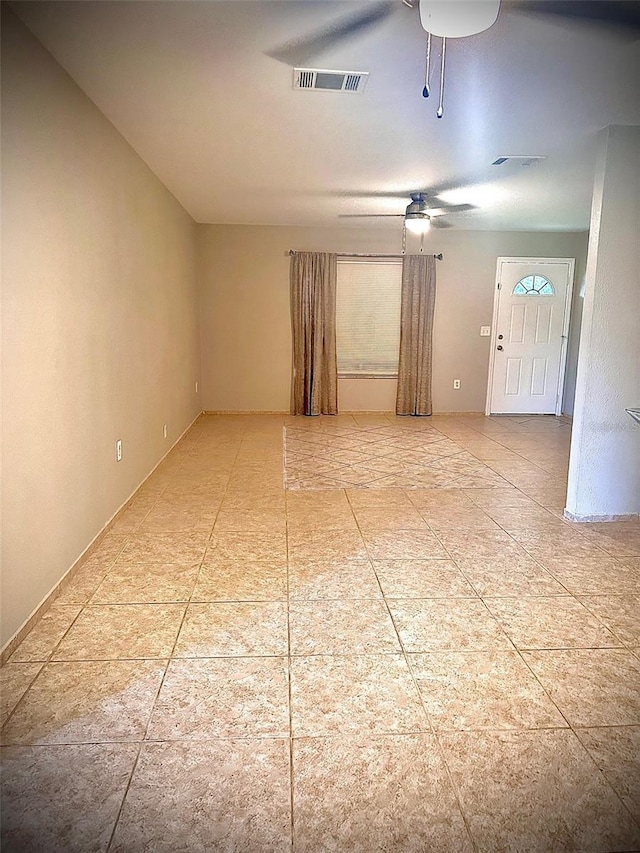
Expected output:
(485, 331)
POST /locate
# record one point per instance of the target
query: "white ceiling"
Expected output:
(190, 87)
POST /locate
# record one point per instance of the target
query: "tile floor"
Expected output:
(406, 649)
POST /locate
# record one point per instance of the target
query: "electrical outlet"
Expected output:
(164, 430)
(196, 387)
(456, 384)
(119, 450)
(485, 331)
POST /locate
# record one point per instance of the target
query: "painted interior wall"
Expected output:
(245, 322)
(604, 469)
(99, 321)
(575, 326)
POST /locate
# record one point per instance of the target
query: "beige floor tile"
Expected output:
(150, 583)
(103, 554)
(446, 624)
(547, 622)
(591, 687)
(79, 588)
(189, 490)
(305, 502)
(403, 545)
(46, 634)
(523, 518)
(466, 519)
(454, 499)
(188, 517)
(15, 679)
(378, 498)
(326, 545)
(241, 580)
(120, 631)
(214, 697)
(341, 627)
(594, 575)
(616, 751)
(620, 539)
(323, 579)
(536, 791)
(63, 799)
(485, 544)
(258, 521)
(354, 693)
(229, 629)
(247, 545)
(83, 702)
(620, 613)
(374, 520)
(178, 548)
(490, 499)
(134, 514)
(372, 794)
(518, 575)
(531, 518)
(422, 579)
(482, 690)
(566, 544)
(226, 795)
(302, 522)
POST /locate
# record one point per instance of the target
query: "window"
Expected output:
(534, 285)
(368, 316)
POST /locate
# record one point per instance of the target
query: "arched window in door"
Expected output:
(534, 285)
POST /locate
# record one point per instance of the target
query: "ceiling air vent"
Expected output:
(522, 159)
(322, 80)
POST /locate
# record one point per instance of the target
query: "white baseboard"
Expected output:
(628, 516)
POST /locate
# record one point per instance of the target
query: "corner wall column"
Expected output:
(604, 466)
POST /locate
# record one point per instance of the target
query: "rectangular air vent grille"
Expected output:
(322, 80)
(522, 159)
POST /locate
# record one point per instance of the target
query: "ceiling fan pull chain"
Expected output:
(421, 242)
(440, 111)
(427, 73)
(404, 236)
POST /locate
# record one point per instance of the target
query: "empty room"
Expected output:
(320, 426)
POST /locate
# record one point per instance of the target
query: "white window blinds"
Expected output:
(368, 316)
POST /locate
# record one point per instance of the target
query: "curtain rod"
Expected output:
(438, 257)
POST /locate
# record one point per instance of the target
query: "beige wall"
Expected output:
(99, 321)
(244, 310)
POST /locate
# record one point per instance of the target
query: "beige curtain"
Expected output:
(314, 386)
(416, 330)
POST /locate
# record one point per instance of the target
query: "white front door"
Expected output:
(529, 336)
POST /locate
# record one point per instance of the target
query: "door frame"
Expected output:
(565, 325)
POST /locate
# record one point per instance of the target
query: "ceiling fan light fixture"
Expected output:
(458, 18)
(418, 223)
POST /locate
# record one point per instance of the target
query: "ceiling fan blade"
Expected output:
(370, 215)
(299, 52)
(619, 13)
(437, 222)
(449, 208)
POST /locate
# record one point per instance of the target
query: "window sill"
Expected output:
(367, 375)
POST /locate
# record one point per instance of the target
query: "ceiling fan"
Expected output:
(450, 19)
(419, 215)
(456, 19)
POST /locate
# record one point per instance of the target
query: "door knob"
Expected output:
(500, 347)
